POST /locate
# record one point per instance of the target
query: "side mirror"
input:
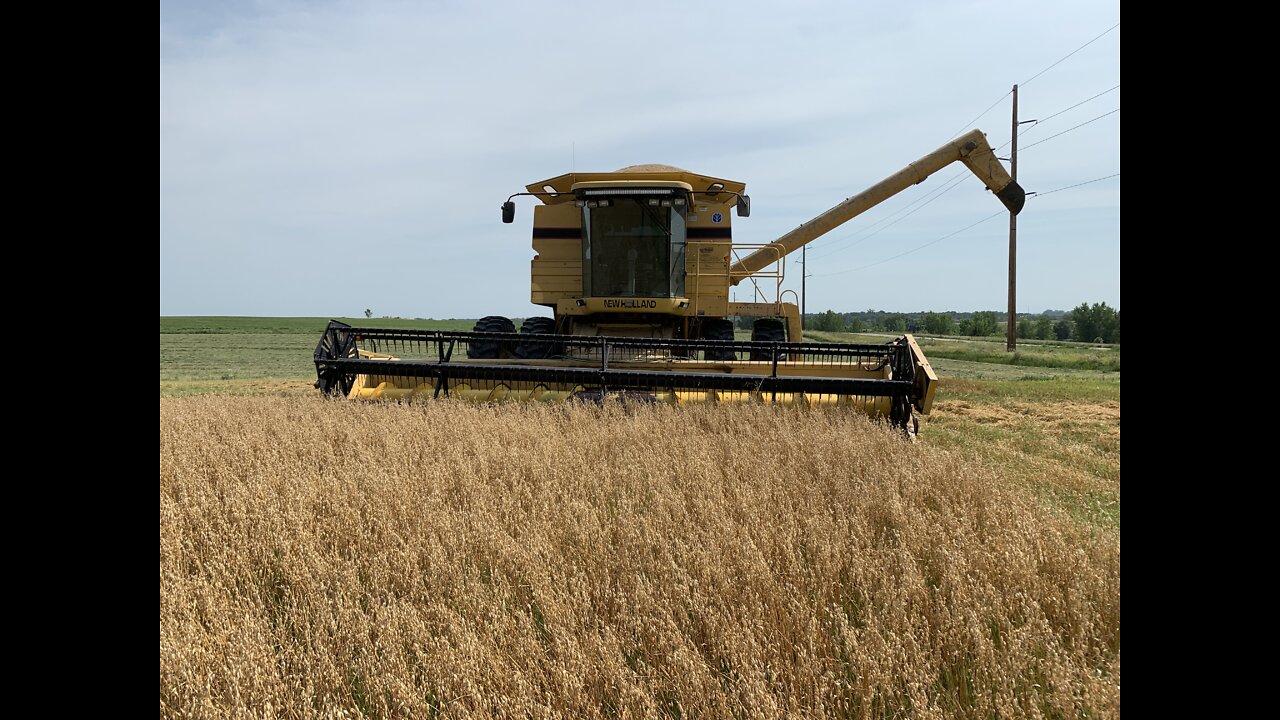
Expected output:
(508, 212)
(744, 206)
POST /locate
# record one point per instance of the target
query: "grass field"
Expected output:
(251, 355)
(991, 350)
(324, 558)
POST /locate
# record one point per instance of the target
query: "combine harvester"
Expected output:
(636, 267)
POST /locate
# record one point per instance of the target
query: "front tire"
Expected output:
(537, 349)
(718, 329)
(479, 349)
(767, 330)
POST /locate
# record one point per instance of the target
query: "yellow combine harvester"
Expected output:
(636, 267)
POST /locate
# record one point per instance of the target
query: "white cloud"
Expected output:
(322, 158)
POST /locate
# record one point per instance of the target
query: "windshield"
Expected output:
(634, 247)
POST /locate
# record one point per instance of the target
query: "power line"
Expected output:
(1073, 107)
(1064, 132)
(1033, 77)
(837, 251)
(1086, 182)
(938, 192)
(1073, 52)
(984, 112)
(994, 215)
(950, 183)
(947, 186)
(998, 213)
(1054, 115)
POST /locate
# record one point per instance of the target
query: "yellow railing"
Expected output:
(776, 273)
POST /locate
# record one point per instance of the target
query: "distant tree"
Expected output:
(1095, 321)
(856, 325)
(980, 325)
(1044, 328)
(368, 313)
(1026, 328)
(939, 323)
(893, 322)
(828, 321)
(1063, 330)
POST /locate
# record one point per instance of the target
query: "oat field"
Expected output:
(329, 559)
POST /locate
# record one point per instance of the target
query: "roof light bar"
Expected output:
(630, 191)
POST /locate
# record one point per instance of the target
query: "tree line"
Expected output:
(1098, 322)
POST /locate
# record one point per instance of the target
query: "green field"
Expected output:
(254, 354)
(201, 354)
(1047, 417)
(991, 350)
(228, 325)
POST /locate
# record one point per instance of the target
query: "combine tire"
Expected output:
(490, 349)
(718, 329)
(537, 349)
(767, 330)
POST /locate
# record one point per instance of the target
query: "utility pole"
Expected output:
(1011, 343)
(804, 272)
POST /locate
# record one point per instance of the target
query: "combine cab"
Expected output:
(636, 267)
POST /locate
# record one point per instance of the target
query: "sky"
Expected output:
(321, 158)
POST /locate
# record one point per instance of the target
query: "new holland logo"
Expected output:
(631, 304)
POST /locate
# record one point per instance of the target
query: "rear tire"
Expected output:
(718, 329)
(767, 330)
(537, 349)
(490, 349)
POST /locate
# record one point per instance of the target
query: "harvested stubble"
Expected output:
(329, 559)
